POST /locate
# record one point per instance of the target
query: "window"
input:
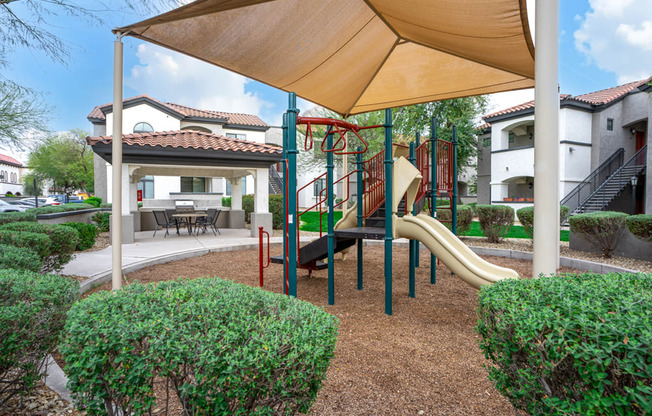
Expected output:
(147, 186)
(610, 124)
(237, 136)
(197, 128)
(143, 127)
(511, 137)
(193, 184)
(486, 142)
(319, 185)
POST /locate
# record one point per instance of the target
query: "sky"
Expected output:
(602, 43)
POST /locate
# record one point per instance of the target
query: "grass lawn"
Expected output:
(310, 221)
(516, 231)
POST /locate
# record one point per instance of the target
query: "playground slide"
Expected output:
(462, 261)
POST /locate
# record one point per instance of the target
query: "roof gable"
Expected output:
(8, 160)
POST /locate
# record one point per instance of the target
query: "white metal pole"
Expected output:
(116, 162)
(546, 136)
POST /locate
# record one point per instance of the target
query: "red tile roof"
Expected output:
(185, 111)
(524, 106)
(8, 160)
(188, 139)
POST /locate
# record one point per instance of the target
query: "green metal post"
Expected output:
(454, 202)
(360, 215)
(413, 246)
(285, 200)
(331, 220)
(433, 190)
(389, 232)
(292, 192)
(416, 242)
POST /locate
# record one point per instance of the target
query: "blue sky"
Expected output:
(602, 43)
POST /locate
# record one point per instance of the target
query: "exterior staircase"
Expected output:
(275, 181)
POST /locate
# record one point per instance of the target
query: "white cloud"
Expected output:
(503, 100)
(616, 36)
(171, 76)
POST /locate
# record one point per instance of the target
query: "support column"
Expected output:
(236, 214)
(330, 167)
(417, 140)
(389, 231)
(285, 203)
(116, 160)
(546, 146)
(454, 201)
(292, 193)
(412, 244)
(433, 190)
(261, 217)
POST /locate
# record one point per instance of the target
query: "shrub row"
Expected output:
(52, 209)
(55, 251)
(602, 228)
(87, 234)
(464, 218)
(226, 347)
(526, 218)
(495, 221)
(570, 345)
(12, 257)
(32, 313)
(8, 217)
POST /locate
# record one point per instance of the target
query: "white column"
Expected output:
(261, 191)
(236, 193)
(126, 185)
(116, 160)
(546, 133)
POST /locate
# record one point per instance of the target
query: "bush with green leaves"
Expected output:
(87, 234)
(473, 206)
(49, 209)
(276, 208)
(74, 206)
(248, 206)
(37, 242)
(226, 201)
(464, 218)
(106, 205)
(32, 313)
(63, 241)
(95, 201)
(526, 218)
(495, 221)
(603, 229)
(220, 348)
(570, 345)
(20, 258)
(8, 217)
(103, 220)
(640, 225)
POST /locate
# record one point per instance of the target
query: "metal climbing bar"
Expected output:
(261, 257)
(335, 126)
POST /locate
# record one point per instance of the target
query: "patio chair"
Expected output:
(177, 221)
(163, 221)
(210, 220)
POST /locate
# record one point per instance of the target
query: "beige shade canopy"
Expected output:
(354, 56)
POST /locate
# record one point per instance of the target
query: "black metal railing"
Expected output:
(275, 180)
(588, 186)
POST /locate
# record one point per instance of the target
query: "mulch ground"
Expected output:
(422, 360)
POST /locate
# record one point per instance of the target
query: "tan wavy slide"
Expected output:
(456, 255)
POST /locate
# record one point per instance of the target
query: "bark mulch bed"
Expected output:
(422, 360)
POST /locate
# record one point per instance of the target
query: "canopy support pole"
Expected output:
(116, 163)
(433, 190)
(546, 145)
(389, 226)
(292, 193)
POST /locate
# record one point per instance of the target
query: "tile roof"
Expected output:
(185, 111)
(595, 98)
(8, 160)
(187, 139)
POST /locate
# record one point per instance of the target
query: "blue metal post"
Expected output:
(454, 201)
(389, 232)
(416, 242)
(413, 246)
(292, 192)
(285, 222)
(360, 215)
(433, 190)
(331, 220)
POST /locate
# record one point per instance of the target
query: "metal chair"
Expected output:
(210, 220)
(163, 221)
(177, 221)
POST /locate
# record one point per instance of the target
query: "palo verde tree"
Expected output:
(64, 158)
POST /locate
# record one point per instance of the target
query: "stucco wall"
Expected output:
(12, 181)
(213, 127)
(145, 113)
(252, 136)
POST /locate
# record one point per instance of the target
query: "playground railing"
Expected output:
(323, 207)
(374, 185)
(335, 126)
(262, 263)
(444, 165)
(422, 155)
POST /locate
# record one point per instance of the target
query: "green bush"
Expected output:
(276, 208)
(603, 229)
(74, 206)
(473, 206)
(50, 209)
(228, 348)
(12, 257)
(570, 345)
(63, 241)
(106, 205)
(526, 218)
(103, 220)
(87, 234)
(32, 313)
(95, 201)
(640, 225)
(464, 218)
(248, 206)
(8, 217)
(564, 211)
(226, 201)
(495, 221)
(39, 243)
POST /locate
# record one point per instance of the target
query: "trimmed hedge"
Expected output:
(230, 349)
(570, 345)
(54, 209)
(32, 313)
(87, 234)
(63, 241)
(640, 225)
(20, 258)
(226, 201)
(495, 221)
(37, 242)
(603, 229)
(464, 218)
(9, 217)
(95, 201)
(526, 218)
(103, 221)
(106, 205)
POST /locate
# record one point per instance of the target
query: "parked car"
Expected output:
(17, 202)
(42, 202)
(7, 207)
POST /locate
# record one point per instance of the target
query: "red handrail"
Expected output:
(374, 177)
(340, 127)
(321, 200)
(261, 231)
(444, 165)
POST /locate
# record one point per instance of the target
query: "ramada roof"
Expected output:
(597, 98)
(8, 160)
(99, 112)
(188, 139)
